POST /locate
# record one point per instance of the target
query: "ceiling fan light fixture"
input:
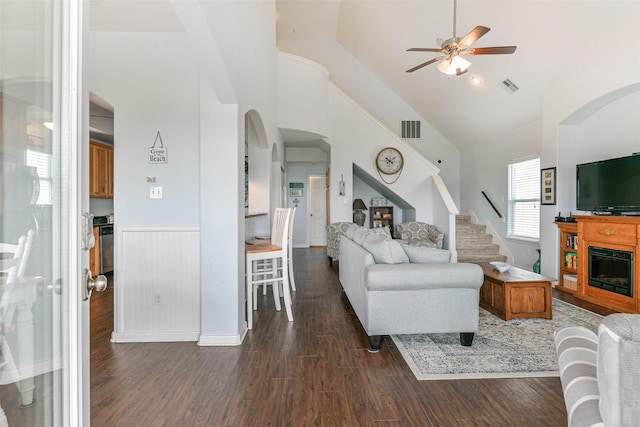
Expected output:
(454, 66)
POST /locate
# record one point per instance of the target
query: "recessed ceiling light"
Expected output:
(476, 81)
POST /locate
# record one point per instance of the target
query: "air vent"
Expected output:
(510, 85)
(410, 129)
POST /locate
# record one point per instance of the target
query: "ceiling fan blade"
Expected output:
(496, 50)
(424, 64)
(424, 49)
(474, 35)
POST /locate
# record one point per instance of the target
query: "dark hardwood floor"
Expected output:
(315, 371)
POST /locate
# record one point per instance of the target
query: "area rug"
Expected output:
(501, 349)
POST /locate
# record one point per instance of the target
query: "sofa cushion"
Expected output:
(384, 250)
(351, 230)
(359, 235)
(426, 255)
(400, 277)
(381, 231)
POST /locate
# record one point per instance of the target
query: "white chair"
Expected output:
(263, 261)
(13, 263)
(292, 280)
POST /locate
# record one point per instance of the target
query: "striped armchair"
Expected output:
(417, 233)
(599, 373)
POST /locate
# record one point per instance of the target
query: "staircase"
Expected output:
(473, 244)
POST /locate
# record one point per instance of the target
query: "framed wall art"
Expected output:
(548, 186)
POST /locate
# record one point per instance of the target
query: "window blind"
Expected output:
(523, 217)
(42, 162)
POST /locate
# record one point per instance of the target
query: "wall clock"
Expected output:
(389, 161)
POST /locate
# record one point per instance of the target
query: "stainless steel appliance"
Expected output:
(105, 243)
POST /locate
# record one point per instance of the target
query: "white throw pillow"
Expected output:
(381, 231)
(426, 255)
(385, 250)
(351, 230)
(359, 235)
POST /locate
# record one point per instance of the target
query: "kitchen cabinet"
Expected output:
(100, 170)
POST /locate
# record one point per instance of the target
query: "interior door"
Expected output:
(316, 224)
(43, 188)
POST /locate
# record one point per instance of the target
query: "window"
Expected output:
(523, 219)
(42, 164)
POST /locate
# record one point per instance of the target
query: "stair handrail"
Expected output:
(495, 209)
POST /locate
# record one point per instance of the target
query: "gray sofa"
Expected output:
(396, 288)
(600, 374)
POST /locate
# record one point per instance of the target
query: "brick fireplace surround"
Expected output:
(620, 233)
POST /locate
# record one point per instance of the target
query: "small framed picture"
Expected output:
(295, 193)
(548, 186)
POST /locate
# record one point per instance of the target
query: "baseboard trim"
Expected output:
(222, 340)
(128, 337)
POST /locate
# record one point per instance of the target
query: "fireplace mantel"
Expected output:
(620, 233)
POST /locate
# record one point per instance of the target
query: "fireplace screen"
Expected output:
(611, 269)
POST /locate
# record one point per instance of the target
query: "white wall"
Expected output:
(150, 94)
(351, 76)
(356, 138)
(302, 79)
(590, 117)
(173, 83)
(485, 169)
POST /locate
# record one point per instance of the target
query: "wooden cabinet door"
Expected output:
(101, 170)
(109, 172)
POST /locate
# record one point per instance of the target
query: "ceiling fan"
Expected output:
(452, 49)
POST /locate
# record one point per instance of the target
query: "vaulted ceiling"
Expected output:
(556, 40)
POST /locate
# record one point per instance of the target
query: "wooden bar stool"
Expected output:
(268, 272)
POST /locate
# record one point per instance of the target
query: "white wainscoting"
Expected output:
(157, 284)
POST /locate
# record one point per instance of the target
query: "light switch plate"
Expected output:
(155, 192)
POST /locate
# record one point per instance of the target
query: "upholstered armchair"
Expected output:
(334, 232)
(417, 233)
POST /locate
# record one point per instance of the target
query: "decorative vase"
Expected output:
(358, 218)
(536, 265)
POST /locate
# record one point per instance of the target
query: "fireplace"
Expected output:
(611, 269)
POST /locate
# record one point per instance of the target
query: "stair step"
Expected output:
(479, 247)
(481, 258)
(465, 229)
(463, 219)
(470, 239)
(473, 244)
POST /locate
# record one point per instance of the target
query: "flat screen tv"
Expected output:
(609, 187)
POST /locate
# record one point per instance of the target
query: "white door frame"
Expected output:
(78, 192)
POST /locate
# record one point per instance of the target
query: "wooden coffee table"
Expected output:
(516, 293)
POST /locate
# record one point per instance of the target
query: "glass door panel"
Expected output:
(38, 205)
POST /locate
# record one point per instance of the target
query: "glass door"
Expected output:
(42, 316)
